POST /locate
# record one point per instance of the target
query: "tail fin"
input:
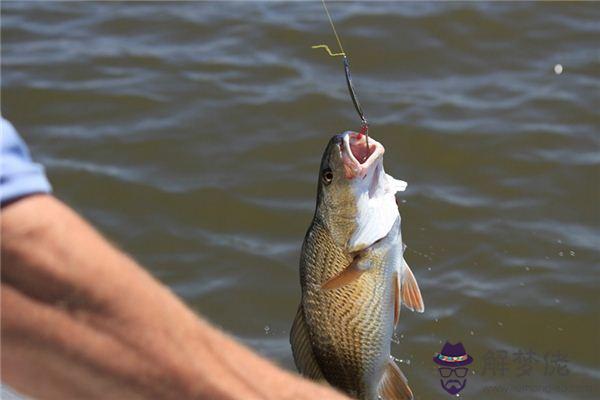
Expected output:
(393, 384)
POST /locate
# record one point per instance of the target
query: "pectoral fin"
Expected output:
(351, 273)
(411, 294)
(393, 384)
(302, 349)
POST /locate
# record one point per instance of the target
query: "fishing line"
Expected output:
(364, 124)
(337, 37)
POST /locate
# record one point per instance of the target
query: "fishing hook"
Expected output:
(364, 124)
(364, 130)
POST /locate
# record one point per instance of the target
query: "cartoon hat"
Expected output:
(453, 355)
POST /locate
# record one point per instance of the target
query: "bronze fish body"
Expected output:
(353, 275)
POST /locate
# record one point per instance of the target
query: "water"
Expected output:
(190, 134)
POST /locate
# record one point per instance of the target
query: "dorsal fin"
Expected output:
(302, 349)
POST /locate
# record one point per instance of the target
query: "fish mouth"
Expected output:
(358, 160)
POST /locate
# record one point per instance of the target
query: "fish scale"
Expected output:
(346, 330)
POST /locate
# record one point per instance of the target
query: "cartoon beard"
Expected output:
(453, 386)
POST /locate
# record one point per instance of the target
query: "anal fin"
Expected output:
(393, 384)
(302, 349)
(411, 294)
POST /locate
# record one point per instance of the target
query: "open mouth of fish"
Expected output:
(358, 160)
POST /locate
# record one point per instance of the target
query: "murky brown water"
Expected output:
(190, 134)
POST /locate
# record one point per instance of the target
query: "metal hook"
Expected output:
(365, 125)
(357, 106)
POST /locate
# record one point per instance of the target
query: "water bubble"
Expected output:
(572, 253)
(395, 338)
(401, 361)
(558, 69)
(472, 333)
(436, 320)
(267, 329)
(428, 268)
(521, 283)
(527, 269)
(500, 323)
(560, 329)
(561, 253)
(556, 301)
(559, 241)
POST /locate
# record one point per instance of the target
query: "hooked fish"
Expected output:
(353, 275)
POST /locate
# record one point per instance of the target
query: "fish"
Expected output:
(353, 275)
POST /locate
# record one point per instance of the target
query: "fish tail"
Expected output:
(393, 384)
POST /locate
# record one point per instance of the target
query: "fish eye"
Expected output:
(327, 176)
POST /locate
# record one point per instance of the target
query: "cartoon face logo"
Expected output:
(452, 361)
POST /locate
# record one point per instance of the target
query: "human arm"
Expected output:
(80, 319)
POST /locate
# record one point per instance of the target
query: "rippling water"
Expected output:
(190, 134)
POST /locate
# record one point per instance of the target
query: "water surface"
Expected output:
(191, 133)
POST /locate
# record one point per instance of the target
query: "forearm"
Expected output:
(91, 323)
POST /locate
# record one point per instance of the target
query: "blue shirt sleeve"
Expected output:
(19, 175)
